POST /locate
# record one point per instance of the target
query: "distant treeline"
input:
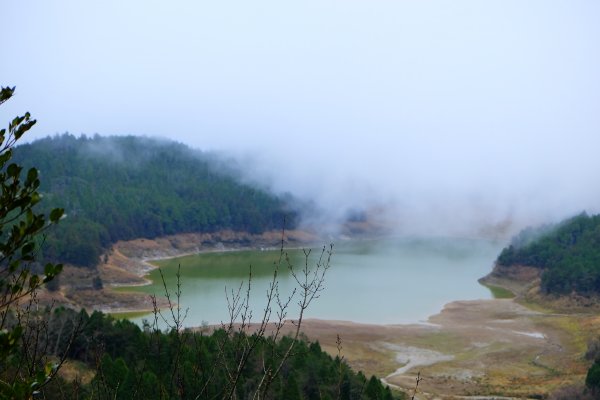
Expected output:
(129, 362)
(568, 253)
(119, 188)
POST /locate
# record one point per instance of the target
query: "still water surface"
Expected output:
(375, 281)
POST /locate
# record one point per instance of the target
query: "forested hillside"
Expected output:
(119, 188)
(568, 253)
(127, 362)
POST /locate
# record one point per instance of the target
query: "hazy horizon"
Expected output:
(440, 117)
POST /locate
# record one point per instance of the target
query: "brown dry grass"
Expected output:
(498, 347)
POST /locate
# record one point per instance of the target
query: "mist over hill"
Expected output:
(119, 188)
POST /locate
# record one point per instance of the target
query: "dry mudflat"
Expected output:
(481, 349)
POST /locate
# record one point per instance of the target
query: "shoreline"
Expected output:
(474, 347)
(144, 253)
(128, 263)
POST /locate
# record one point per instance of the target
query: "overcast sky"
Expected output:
(456, 112)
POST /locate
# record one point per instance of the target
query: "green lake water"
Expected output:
(376, 281)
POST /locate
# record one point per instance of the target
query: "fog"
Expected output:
(436, 117)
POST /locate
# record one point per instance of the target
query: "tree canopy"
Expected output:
(120, 188)
(141, 363)
(21, 273)
(568, 253)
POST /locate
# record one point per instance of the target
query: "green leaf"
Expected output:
(51, 270)
(49, 368)
(6, 93)
(29, 216)
(15, 122)
(4, 157)
(32, 175)
(48, 269)
(56, 214)
(13, 170)
(28, 248)
(35, 198)
(16, 288)
(34, 281)
(13, 265)
(24, 128)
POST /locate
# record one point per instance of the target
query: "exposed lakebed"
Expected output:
(384, 281)
(475, 345)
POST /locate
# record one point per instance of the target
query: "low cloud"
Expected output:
(437, 187)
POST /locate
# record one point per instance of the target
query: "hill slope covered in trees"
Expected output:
(128, 362)
(120, 188)
(568, 254)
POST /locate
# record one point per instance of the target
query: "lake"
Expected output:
(371, 281)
